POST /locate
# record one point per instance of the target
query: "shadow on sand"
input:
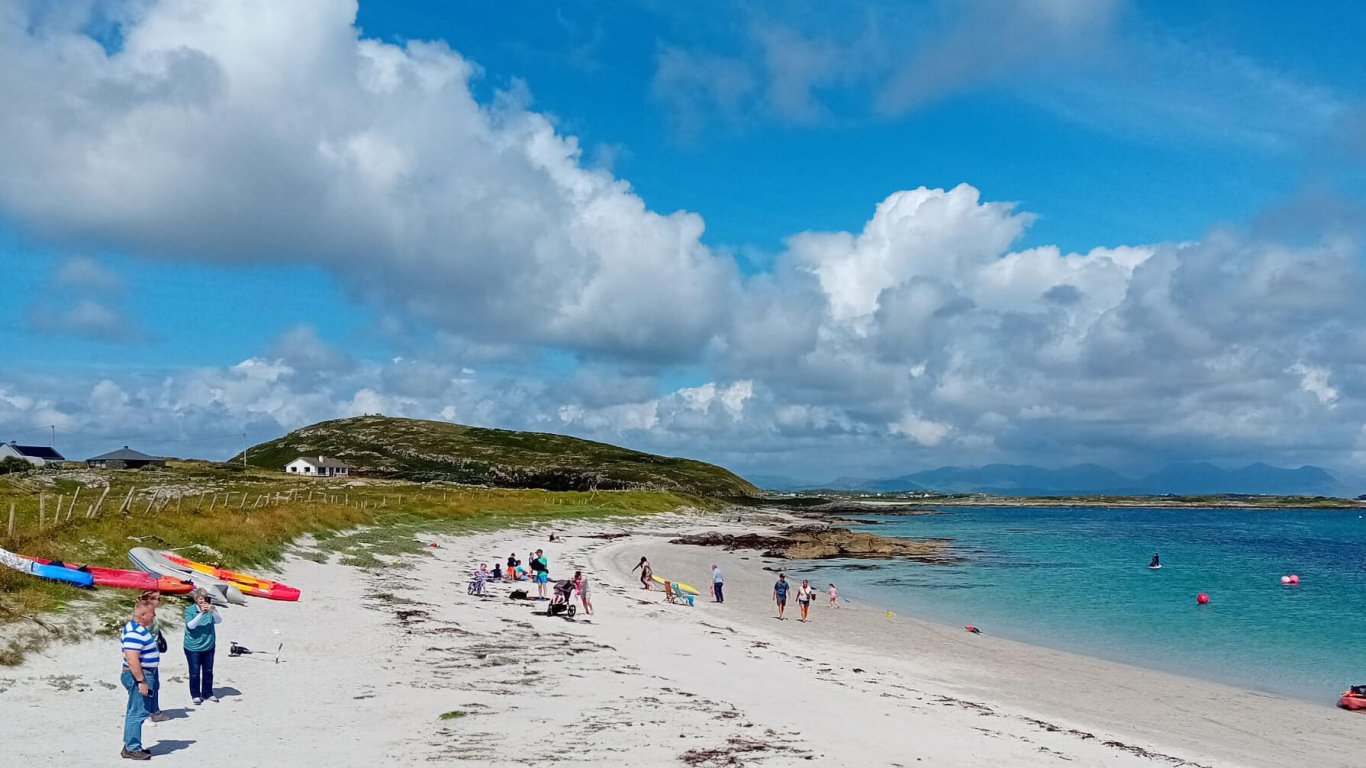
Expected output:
(167, 746)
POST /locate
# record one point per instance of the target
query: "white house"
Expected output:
(318, 466)
(37, 455)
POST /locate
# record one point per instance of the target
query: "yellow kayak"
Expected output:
(685, 587)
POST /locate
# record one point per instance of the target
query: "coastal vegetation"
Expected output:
(415, 449)
(246, 518)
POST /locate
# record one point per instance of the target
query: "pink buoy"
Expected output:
(1285, 579)
(1294, 578)
(1202, 599)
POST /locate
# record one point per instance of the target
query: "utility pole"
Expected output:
(53, 442)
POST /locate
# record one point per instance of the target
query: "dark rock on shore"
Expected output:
(818, 542)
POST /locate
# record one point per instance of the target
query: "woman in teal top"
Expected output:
(200, 641)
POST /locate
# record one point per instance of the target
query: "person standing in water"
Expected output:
(645, 572)
(1156, 563)
(780, 594)
(834, 598)
(804, 596)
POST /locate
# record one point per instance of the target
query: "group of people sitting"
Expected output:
(536, 570)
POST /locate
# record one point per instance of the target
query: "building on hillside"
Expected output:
(37, 455)
(318, 466)
(125, 458)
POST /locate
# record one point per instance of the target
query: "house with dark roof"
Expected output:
(318, 466)
(37, 455)
(124, 458)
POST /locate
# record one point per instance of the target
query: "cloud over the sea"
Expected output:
(928, 335)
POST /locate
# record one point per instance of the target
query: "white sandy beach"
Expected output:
(364, 678)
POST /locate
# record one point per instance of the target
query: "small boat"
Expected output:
(42, 570)
(220, 592)
(120, 578)
(1354, 698)
(250, 585)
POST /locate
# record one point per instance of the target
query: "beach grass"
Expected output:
(363, 523)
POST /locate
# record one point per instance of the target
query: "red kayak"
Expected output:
(121, 579)
(1352, 700)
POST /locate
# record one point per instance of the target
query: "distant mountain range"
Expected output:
(1187, 479)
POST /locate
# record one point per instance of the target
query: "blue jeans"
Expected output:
(201, 673)
(717, 587)
(138, 708)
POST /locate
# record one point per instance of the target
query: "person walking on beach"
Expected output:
(780, 594)
(645, 572)
(834, 598)
(139, 677)
(201, 638)
(581, 584)
(541, 568)
(718, 583)
(804, 596)
(154, 703)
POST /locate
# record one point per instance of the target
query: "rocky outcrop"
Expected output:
(818, 542)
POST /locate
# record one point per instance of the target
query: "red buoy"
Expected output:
(1202, 598)
(1294, 578)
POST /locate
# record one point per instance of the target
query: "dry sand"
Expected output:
(371, 662)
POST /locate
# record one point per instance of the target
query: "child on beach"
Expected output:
(833, 597)
(480, 577)
(645, 573)
(582, 584)
(804, 596)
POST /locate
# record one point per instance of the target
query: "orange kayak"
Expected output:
(248, 584)
(1352, 700)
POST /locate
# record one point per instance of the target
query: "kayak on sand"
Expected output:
(220, 592)
(250, 585)
(45, 571)
(120, 578)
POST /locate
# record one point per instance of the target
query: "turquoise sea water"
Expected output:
(1076, 579)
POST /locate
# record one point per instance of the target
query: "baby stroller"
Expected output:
(559, 601)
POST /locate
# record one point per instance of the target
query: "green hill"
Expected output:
(414, 449)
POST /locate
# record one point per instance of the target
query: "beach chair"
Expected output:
(679, 596)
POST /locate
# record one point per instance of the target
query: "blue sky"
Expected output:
(604, 221)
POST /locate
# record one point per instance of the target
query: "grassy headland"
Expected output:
(414, 449)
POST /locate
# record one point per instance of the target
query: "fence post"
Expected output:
(243, 505)
(11, 520)
(100, 504)
(127, 507)
(72, 509)
(42, 505)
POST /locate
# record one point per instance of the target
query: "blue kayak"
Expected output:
(53, 572)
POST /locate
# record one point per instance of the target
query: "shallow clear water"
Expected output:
(1077, 579)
